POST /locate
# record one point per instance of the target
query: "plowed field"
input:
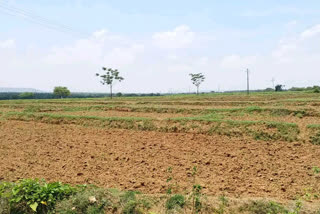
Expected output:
(265, 147)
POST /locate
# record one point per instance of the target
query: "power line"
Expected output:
(34, 16)
(39, 22)
(29, 16)
(35, 22)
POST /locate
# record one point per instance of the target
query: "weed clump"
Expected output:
(89, 200)
(263, 207)
(176, 201)
(132, 205)
(315, 140)
(224, 202)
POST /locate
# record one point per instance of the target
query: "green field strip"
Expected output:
(71, 117)
(147, 109)
(259, 130)
(313, 126)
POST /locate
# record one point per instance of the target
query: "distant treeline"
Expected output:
(30, 95)
(315, 88)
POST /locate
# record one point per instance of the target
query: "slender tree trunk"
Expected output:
(111, 91)
(197, 90)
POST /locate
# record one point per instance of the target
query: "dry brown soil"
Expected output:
(112, 113)
(138, 160)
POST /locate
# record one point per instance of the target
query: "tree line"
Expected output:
(110, 76)
(41, 95)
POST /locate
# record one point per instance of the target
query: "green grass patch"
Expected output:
(72, 117)
(135, 123)
(264, 207)
(259, 130)
(314, 133)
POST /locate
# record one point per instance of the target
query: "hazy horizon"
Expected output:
(155, 45)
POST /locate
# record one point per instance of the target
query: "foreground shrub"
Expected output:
(33, 196)
(89, 200)
(263, 207)
(29, 196)
(176, 201)
(131, 204)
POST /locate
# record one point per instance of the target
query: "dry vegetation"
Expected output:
(265, 145)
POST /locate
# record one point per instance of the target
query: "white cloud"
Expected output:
(180, 37)
(101, 34)
(303, 46)
(146, 68)
(202, 61)
(10, 43)
(180, 68)
(284, 52)
(85, 50)
(311, 32)
(101, 47)
(238, 62)
(119, 57)
(293, 62)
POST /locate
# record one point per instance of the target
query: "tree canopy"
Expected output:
(109, 77)
(197, 79)
(279, 87)
(61, 92)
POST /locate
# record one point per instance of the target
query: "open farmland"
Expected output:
(263, 145)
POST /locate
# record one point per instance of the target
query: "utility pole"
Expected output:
(273, 80)
(248, 90)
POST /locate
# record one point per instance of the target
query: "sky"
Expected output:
(155, 45)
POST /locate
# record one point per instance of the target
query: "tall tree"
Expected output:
(109, 77)
(197, 79)
(61, 92)
(279, 87)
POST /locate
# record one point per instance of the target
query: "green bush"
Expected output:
(176, 201)
(90, 200)
(132, 205)
(29, 196)
(263, 207)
